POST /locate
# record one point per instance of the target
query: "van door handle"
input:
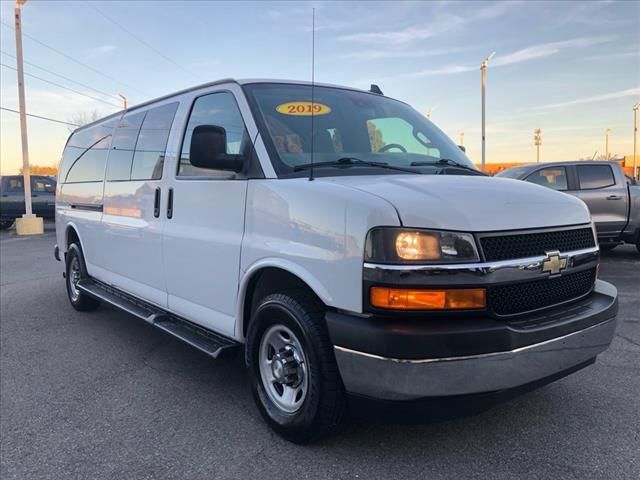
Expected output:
(156, 203)
(170, 204)
(614, 197)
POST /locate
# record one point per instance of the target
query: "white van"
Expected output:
(368, 267)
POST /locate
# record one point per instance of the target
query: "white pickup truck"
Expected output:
(340, 240)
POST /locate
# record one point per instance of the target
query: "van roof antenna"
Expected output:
(313, 67)
(375, 89)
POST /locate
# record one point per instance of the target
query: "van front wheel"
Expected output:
(76, 271)
(294, 376)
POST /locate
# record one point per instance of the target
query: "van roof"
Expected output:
(245, 81)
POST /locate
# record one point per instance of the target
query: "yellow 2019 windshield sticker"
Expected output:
(303, 108)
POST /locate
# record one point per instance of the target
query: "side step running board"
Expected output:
(201, 338)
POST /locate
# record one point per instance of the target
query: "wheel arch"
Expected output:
(269, 276)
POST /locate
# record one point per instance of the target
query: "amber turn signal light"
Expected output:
(414, 299)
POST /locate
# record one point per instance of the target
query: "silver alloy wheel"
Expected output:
(283, 368)
(74, 278)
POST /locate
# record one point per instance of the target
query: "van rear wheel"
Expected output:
(76, 271)
(294, 376)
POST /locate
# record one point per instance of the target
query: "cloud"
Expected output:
(442, 22)
(102, 50)
(630, 92)
(394, 53)
(547, 49)
(523, 55)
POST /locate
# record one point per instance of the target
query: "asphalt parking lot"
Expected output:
(103, 395)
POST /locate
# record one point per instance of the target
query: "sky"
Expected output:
(569, 68)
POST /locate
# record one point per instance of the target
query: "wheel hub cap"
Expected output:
(283, 368)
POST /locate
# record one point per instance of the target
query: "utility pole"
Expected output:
(636, 107)
(606, 143)
(483, 80)
(537, 141)
(29, 224)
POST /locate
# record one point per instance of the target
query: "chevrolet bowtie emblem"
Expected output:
(554, 263)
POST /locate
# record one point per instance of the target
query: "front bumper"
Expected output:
(572, 335)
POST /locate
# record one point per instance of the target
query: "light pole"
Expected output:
(483, 79)
(636, 107)
(29, 224)
(125, 101)
(606, 143)
(537, 141)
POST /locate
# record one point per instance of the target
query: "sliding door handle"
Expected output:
(170, 204)
(614, 197)
(156, 203)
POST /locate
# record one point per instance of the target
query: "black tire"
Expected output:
(74, 272)
(324, 404)
(4, 224)
(607, 247)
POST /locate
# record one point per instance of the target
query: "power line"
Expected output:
(146, 44)
(62, 86)
(63, 77)
(72, 59)
(40, 117)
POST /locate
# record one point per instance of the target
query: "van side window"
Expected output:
(595, 176)
(123, 146)
(148, 159)
(552, 177)
(218, 109)
(85, 154)
(89, 166)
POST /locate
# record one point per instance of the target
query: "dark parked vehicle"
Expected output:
(612, 197)
(43, 198)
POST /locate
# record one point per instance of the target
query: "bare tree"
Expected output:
(82, 118)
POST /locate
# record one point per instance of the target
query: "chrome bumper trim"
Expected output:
(401, 379)
(478, 273)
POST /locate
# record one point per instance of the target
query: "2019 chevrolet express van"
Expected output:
(340, 238)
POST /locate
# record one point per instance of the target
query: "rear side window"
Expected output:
(218, 109)
(84, 157)
(595, 176)
(139, 144)
(553, 177)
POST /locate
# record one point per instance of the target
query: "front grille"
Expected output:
(523, 297)
(523, 245)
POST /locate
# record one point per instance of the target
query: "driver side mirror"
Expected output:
(50, 188)
(208, 149)
(463, 148)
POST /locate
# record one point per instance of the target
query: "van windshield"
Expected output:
(362, 127)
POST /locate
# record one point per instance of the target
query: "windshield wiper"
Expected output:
(447, 161)
(352, 162)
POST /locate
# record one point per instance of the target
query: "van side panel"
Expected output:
(318, 227)
(80, 205)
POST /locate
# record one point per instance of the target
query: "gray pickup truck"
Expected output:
(43, 198)
(612, 197)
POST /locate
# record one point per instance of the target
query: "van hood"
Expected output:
(470, 203)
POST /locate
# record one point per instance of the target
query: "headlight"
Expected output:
(399, 245)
